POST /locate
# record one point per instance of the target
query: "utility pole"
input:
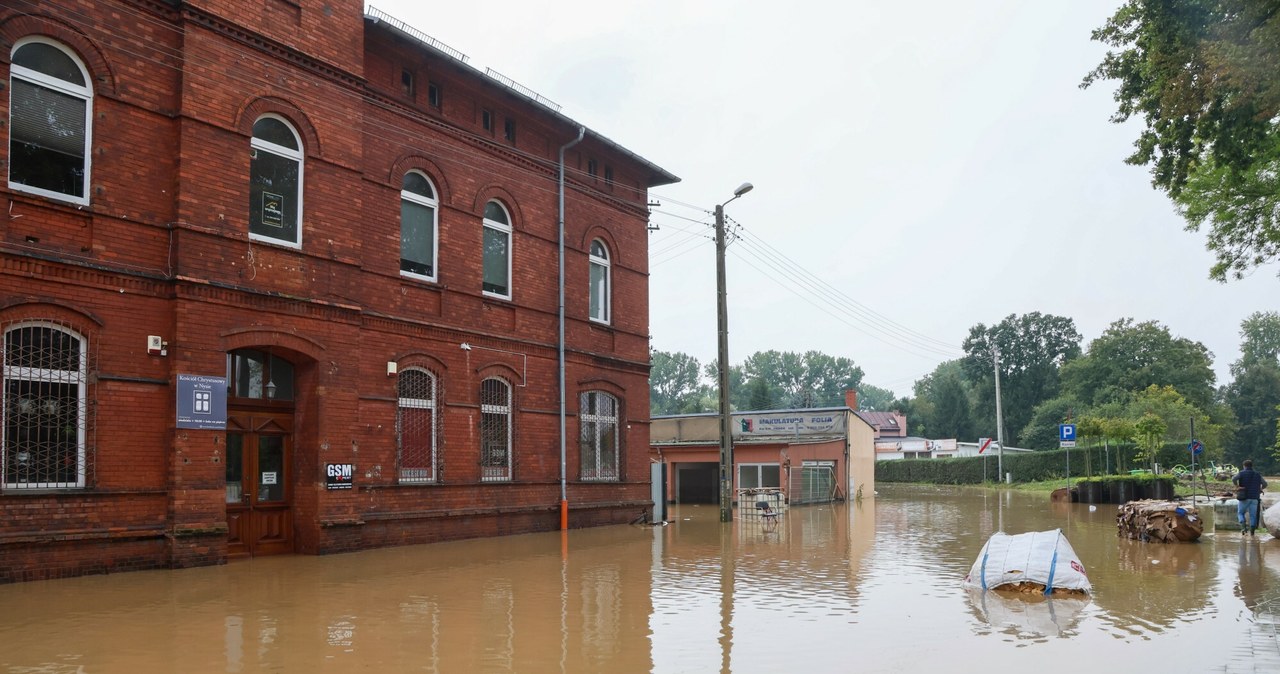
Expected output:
(995, 352)
(722, 363)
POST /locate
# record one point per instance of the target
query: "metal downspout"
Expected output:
(564, 493)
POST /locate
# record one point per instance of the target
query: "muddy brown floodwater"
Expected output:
(870, 587)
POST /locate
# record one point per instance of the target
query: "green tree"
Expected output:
(1128, 357)
(942, 406)
(1202, 76)
(911, 408)
(1033, 348)
(1041, 431)
(1176, 412)
(1150, 430)
(874, 398)
(1260, 340)
(1090, 429)
(1275, 449)
(760, 395)
(810, 379)
(1118, 432)
(1254, 397)
(674, 384)
(952, 416)
(1254, 393)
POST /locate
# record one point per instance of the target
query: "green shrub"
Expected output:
(1026, 467)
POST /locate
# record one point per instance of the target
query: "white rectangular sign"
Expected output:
(789, 423)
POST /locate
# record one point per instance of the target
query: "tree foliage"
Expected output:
(1254, 393)
(942, 406)
(874, 398)
(1041, 432)
(1128, 357)
(1254, 397)
(1202, 76)
(952, 415)
(675, 386)
(795, 380)
(1150, 429)
(1260, 340)
(766, 380)
(1177, 413)
(1033, 347)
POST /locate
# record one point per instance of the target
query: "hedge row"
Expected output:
(1033, 467)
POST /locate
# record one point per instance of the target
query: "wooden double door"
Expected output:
(259, 484)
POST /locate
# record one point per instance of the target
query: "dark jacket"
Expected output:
(1250, 484)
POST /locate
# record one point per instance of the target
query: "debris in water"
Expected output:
(1153, 520)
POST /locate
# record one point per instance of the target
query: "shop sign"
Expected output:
(202, 402)
(339, 475)
(789, 423)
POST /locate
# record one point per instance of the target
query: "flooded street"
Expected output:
(869, 588)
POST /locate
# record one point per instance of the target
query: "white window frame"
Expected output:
(505, 230)
(434, 204)
(403, 403)
(602, 422)
(257, 144)
(491, 473)
(600, 292)
(84, 93)
(759, 470)
(80, 378)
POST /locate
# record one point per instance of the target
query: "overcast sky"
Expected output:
(919, 167)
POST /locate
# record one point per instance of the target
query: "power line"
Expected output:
(802, 279)
(826, 309)
(860, 308)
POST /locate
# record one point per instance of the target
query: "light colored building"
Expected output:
(924, 448)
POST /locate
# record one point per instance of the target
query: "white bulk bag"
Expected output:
(1271, 519)
(1041, 557)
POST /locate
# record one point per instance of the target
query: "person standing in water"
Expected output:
(1249, 485)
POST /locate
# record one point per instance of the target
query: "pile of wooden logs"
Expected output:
(1159, 521)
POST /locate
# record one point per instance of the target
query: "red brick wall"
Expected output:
(163, 249)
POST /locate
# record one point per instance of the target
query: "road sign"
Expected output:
(1066, 435)
(983, 444)
(1195, 447)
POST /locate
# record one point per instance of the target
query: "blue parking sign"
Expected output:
(1066, 432)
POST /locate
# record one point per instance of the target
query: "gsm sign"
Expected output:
(341, 471)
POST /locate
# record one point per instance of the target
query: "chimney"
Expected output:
(851, 399)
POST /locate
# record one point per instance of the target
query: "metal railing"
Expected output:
(380, 16)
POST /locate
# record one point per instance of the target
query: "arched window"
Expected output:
(50, 108)
(275, 182)
(598, 435)
(259, 375)
(495, 430)
(600, 282)
(45, 410)
(497, 251)
(416, 426)
(419, 227)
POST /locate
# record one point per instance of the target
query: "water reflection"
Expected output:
(1027, 616)
(871, 587)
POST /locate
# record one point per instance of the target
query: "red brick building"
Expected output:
(283, 277)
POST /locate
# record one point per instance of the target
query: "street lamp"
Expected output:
(722, 318)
